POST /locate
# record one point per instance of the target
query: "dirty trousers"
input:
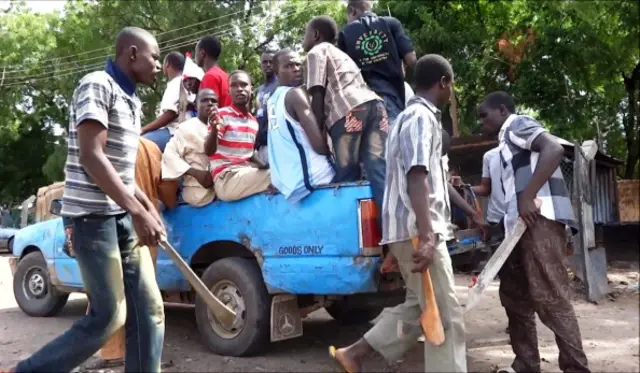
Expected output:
(114, 349)
(121, 284)
(534, 280)
(383, 336)
(241, 182)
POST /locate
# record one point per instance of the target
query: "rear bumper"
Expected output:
(13, 264)
(379, 299)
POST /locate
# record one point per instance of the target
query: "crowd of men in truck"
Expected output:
(345, 116)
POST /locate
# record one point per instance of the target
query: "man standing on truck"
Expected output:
(262, 96)
(208, 52)
(299, 151)
(379, 46)
(416, 204)
(111, 216)
(235, 168)
(534, 278)
(346, 107)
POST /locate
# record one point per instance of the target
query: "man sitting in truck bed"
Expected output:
(184, 157)
(298, 150)
(235, 168)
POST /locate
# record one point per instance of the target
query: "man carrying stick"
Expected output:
(416, 204)
(534, 278)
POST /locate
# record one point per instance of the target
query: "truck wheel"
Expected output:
(352, 315)
(238, 283)
(33, 290)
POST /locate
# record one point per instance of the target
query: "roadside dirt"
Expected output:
(610, 333)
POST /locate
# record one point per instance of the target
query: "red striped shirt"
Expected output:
(236, 139)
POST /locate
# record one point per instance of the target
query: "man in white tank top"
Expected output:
(298, 151)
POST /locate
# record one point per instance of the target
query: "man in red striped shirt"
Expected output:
(236, 170)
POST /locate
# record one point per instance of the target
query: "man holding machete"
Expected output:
(416, 204)
(534, 278)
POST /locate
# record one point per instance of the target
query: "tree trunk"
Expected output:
(631, 128)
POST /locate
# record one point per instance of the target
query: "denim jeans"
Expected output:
(120, 282)
(361, 137)
(393, 108)
(160, 137)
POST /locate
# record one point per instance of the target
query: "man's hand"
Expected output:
(528, 210)
(482, 224)
(214, 118)
(423, 254)
(202, 177)
(148, 228)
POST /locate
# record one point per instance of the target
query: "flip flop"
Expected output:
(332, 353)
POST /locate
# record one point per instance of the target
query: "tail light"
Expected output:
(369, 235)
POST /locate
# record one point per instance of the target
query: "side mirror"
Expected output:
(56, 207)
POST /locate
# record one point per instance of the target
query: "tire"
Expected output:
(346, 315)
(238, 283)
(32, 288)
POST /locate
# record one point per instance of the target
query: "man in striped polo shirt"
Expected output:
(111, 216)
(235, 167)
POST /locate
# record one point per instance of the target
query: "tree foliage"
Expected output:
(574, 63)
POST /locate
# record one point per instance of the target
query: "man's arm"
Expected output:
(418, 189)
(483, 189)
(403, 42)
(297, 105)
(316, 82)
(317, 103)
(161, 121)
(211, 142)
(255, 158)
(92, 138)
(474, 215)
(203, 177)
(551, 153)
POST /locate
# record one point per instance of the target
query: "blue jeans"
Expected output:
(361, 137)
(121, 285)
(393, 108)
(160, 137)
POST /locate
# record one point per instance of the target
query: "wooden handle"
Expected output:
(430, 318)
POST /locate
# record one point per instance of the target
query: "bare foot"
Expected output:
(347, 359)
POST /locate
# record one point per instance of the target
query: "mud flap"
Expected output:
(286, 322)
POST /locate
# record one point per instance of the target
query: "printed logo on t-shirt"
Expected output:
(373, 45)
(271, 118)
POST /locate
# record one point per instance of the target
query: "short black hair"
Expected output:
(211, 45)
(239, 72)
(326, 26)
(276, 57)
(430, 69)
(361, 5)
(175, 60)
(498, 98)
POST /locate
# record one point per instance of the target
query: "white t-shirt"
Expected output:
(408, 93)
(491, 169)
(170, 100)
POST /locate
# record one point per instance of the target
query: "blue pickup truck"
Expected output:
(273, 262)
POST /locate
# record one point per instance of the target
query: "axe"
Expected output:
(222, 313)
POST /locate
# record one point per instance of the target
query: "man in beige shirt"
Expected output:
(185, 157)
(352, 114)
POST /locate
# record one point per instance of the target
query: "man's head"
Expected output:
(319, 29)
(173, 65)
(355, 8)
(287, 65)
(494, 111)
(208, 47)
(138, 53)
(206, 101)
(266, 64)
(240, 88)
(434, 76)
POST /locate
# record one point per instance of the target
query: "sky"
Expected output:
(40, 6)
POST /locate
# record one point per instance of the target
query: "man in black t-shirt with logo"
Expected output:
(379, 46)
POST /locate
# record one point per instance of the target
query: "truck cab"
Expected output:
(271, 261)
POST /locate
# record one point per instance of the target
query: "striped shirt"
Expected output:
(335, 71)
(101, 98)
(236, 138)
(415, 141)
(518, 165)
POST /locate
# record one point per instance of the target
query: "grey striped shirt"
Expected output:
(415, 141)
(99, 97)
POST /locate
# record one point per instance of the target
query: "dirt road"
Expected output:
(610, 334)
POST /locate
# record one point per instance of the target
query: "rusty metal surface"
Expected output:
(629, 200)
